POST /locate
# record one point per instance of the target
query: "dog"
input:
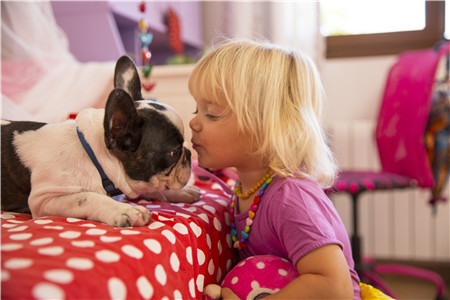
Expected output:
(72, 169)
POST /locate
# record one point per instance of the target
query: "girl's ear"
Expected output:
(126, 77)
(121, 123)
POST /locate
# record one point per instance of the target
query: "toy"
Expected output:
(256, 277)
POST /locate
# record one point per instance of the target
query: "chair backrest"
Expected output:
(403, 115)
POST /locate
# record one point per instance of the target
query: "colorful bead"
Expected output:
(262, 185)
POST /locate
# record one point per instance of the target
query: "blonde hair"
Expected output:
(277, 96)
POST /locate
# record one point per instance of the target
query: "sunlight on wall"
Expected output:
(364, 17)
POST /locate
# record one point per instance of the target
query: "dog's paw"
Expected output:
(188, 194)
(131, 215)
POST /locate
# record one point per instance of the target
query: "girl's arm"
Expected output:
(324, 274)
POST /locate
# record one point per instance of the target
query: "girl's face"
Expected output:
(217, 140)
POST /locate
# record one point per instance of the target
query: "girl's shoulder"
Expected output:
(306, 184)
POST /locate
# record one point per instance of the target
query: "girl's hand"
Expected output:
(228, 294)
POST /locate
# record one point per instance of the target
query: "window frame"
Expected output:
(392, 42)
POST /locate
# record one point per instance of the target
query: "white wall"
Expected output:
(354, 86)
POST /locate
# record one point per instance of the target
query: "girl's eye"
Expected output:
(211, 117)
(196, 111)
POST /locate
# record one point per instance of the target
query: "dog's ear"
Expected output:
(123, 127)
(126, 77)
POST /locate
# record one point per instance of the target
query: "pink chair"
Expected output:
(400, 130)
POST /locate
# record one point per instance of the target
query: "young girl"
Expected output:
(258, 110)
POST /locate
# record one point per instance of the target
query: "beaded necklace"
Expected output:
(263, 184)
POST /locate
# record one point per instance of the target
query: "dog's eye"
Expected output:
(176, 153)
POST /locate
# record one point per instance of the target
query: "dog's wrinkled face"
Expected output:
(146, 136)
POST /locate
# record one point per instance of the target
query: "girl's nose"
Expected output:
(194, 124)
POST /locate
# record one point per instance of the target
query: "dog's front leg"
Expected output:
(94, 207)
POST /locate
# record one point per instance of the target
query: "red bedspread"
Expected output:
(182, 249)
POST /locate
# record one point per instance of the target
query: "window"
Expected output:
(387, 28)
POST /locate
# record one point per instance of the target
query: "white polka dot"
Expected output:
(189, 255)
(52, 251)
(107, 256)
(217, 224)
(260, 265)
(7, 225)
(282, 272)
(192, 287)
(83, 244)
(156, 225)
(181, 228)
(88, 225)
(161, 218)
(255, 284)
(200, 282)
(42, 222)
(46, 290)
(208, 241)
(192, 208)
(153, 245)
(20, 236)
(59, 276)
(56, 227)
(174, 262)
(15, 221)
(5, 275)
(226, 216)
(216, 186)
(80, 263)
(132, 251)
(219, 275)
(170, 236)
(209, 208)
(177, 295)
(229, 240)
(95, 231)
(70, 234)
(73, 220)
(229, 263)
(211, 267)
(117, 289)
(204, 217)
(110, 239)
(17, 229)
(129, 232)
(145, 287)
(222, 202)
(160, 275)
(234, 280)
(186, 216)
(6, 216)
(42, 241)
(196, 229)
(200, 257)
(18, 263)
(11, 247)
(219, 247)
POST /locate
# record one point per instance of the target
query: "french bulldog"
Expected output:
(72, 168)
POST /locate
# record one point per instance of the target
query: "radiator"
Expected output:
(396, 224)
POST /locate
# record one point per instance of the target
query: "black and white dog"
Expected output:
(71, 169)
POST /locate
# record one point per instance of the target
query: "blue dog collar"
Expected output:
(108, 185)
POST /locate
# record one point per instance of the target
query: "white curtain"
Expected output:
(41, 80)
(291, 23)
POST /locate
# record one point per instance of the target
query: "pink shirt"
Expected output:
(294, 218)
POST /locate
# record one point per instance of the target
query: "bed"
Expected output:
(182, 249)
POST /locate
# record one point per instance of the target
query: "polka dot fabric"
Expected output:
(181, 250)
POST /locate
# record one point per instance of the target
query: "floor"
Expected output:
(410, 288)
